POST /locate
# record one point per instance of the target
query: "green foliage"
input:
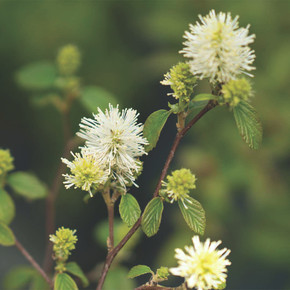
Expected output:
(152, 215)
(64, 282)
(117, 279)
(27, 185)
(249, 124)
(153, 126)
(193, 214)
(139, 270)
(203, 97)
(193, 104)
(37, 76)
(129, 209)
(74, 268)
(93, 97)
(19, 277)
(6, 235)
(7, 207)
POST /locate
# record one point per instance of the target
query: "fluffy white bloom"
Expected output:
(219, 48)
(116, 138)
(203, 266)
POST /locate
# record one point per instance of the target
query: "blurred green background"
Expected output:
(126, 48)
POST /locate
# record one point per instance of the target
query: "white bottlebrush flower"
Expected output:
(86, 171)
(117, 139)
(218, 48)
(203, 266)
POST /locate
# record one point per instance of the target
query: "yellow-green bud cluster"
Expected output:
(235, 91)
(181, 81)
(68, 60)
(6, 161)
(163, 273)
(179, 183)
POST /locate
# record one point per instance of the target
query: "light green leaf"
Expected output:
(129, 209)
(153, 126)
(249, 124)
(36, 76)
(64, 282)
(7, 207)
(6, 235)
(27, 185)
(93, 97)
(151, 218)
(196, 105)
(193, 214)
(204, 97)
(74, 268)
(139, 270)
(18, 277)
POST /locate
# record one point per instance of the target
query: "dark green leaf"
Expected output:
(64, 282)
(93, 97)
(74, 268)
(18, 277)
(6, 235)
(117, 280)
(129, 209)
(151, 218)
(139, 270)
(39, 75)
(193, 214)
(27, 185)
(38, 283)
(203, 97)
(249, 124)
(7, 208)
(153, 126)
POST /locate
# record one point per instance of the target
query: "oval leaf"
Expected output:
(249, 124)
(74, 268)
(18, 277)
(139, 270)
(203, 97)
(7, 207)
(39, 75)
(27, 185)
(152, 217)
(93, 97)
(153, 126)
(129, 209)
(193, 214)
(64, 282)
(6, 235)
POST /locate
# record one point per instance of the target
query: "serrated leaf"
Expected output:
(27, 185)
(7, 207)
(138, 271)
(38, 75)
(93, 97)
(18, 277)
(203, 97)
(6, 235)
(74, 268)
(194, 214)
(151, 218)
(64, 282)
(249, 124)
(153, 126)
(129, 209)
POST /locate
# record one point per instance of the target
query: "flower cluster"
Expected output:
(202, 266)
(68, 60)
(6, 161)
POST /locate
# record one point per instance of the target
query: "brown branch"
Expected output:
(111, 255)
(33, 263)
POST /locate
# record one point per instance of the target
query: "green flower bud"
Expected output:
(181, 81)
(68, 59)
(163, 273)
(235, 91)
(6, 161)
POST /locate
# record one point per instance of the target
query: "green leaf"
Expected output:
(27, 185)
(139, 270)
(36, 76)
(152, 217)
(38, 283)
(249, 124)
(6, 235)
(64, 282)
(74, 268)
(18, 277)
(7, 207)
(93, 97)
(203, 97)
(153, 126)
(129, 209)
(193, 214)
(196, 105)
